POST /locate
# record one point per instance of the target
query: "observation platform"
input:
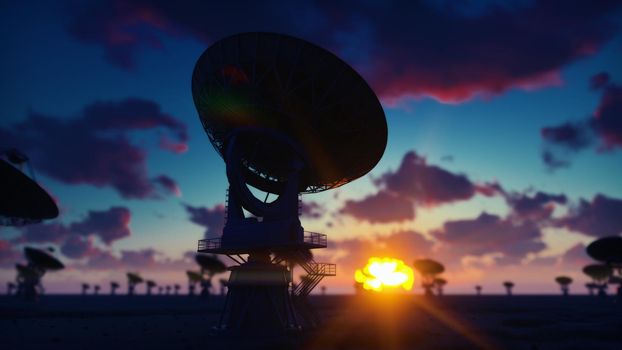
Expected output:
(311, 240)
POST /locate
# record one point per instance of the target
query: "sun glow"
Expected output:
(385, 273)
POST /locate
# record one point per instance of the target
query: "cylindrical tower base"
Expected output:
(258, 300)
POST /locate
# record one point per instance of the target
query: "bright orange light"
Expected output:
(381, 273)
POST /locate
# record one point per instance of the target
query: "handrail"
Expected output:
(324, 269)
(315, 238)
(210, 243)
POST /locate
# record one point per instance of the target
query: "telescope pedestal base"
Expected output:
(258, 301)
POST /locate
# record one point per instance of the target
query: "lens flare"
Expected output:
(385, 273)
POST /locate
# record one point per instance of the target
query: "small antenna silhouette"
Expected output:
(10, 288)
(85, 288)
(194, 278)
(508, 287)
(113, 287)
(564, 283)
(150, 285)
(429, 270)
(133, 279)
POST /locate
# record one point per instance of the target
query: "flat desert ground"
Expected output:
(349, 322)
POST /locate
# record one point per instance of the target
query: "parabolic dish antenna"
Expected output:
(288, 86)
(288, 117)
(21, 198)
(606, 249)
(42, 259)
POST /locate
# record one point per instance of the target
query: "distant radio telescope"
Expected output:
(287, 117)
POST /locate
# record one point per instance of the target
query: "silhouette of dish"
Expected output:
(273, 83)
(194, 276)
(22, 198)
(134, 278)
(42, 259)
(607, 249)
(210, 263)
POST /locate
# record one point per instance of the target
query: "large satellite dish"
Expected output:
(607, 250)
(288, 86)
(288, 117)
(22, 200)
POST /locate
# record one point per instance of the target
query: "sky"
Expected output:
(504, 135)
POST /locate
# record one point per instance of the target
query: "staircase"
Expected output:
(315, 273)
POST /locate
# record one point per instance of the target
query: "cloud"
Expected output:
(607, 121)
(77, 247)
(42, 233)
(576, 257)
(448, 51)
(147, 259)
(312, 210)
(381, 207)
(429, 185)
(168, 184)
(597, 218)
(94, 148)
(603, 128)
(536, 207)
(103, 260)
(139, 258)
(75, 239)
(488, 234)
(414, 183)
(109, 225)
(213, 219)
(8, 255)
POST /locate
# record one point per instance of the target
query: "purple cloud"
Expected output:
(312, 210)
(43, 233)
(103, 260)
(77, 247)
(447, 51)
(598, 218)
(142, 259)
(488, 234)
(75, 238)
(109, 225)
(381, 207)
(8, 255)
(429, 185)
(139, 258)
(604, 127)
(94, 148)
(168, 184)
(415, 183)
(576, 257)
(213, 219)
(536, 207)
(607, 121)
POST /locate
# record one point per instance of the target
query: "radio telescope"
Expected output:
(29, 276)
(287, 117)
(22, 200)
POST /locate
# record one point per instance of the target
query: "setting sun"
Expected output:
(382, 273)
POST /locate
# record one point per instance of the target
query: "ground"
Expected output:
(349, 322)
